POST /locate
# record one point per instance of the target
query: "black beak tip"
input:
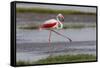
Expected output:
(70, 40)
(63, 20)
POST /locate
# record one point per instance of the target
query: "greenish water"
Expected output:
(65, 26)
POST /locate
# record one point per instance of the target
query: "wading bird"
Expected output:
(54, 24)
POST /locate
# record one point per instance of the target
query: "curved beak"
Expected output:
(62, 19)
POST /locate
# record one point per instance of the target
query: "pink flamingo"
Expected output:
(54, 24)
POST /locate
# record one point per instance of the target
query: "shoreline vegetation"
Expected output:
(62, 59)
(49, 11)
(66, 26)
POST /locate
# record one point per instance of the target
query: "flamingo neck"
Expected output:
(60, 25)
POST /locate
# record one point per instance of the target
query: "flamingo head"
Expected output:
(60, 17)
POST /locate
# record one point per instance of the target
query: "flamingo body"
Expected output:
(52, 23)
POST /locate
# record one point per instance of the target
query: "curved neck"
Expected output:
(60, 25)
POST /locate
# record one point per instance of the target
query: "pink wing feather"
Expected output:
(49, 23)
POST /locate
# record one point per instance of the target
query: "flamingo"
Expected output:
(54, 24)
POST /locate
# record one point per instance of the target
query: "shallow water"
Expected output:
(35, 51)
(32, 45)
(31, 36)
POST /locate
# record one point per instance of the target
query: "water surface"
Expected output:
(32, 45)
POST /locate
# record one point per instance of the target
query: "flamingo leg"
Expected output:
(62, 35)
(49, 39)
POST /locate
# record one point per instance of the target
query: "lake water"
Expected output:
(31, 36)
(32, 45)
